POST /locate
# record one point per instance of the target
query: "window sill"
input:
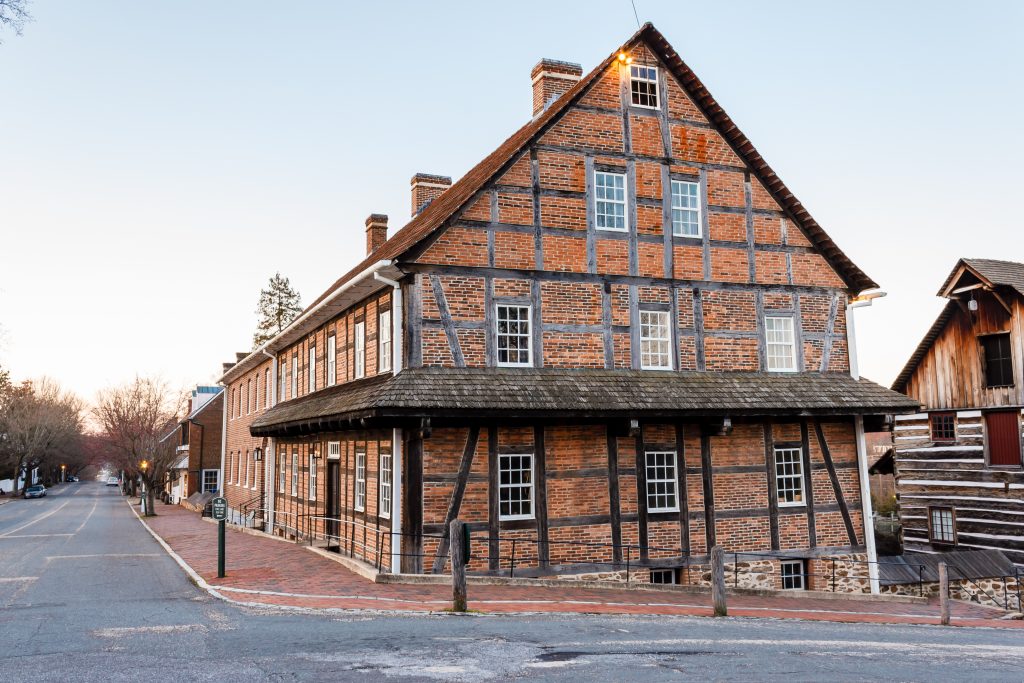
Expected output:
(656, 511)
(515, 518)
(801, 504)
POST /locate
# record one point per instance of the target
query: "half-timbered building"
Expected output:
(617, 339)
(959, 480)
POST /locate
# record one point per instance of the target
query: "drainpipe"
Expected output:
(862, 450)
(270, 453)
(223, 440)
(397, 346)
(396, 500)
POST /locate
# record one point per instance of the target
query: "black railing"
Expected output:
(1007, 603)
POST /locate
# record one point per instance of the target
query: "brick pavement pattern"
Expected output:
(272, 572)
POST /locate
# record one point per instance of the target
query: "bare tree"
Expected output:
(40, 424)
(135, 417)
(14, 15)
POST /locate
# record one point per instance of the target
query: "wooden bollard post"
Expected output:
(458, 561)
(943, 594)
(718, 580)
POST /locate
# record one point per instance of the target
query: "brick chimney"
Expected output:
(376, 232)
(240, 356)
(426, 188)
(551, 79)
(225, 367)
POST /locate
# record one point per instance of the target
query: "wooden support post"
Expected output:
(718, 580)
(458, 560)
(943, 594)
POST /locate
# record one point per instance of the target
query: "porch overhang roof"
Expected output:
(549, 393)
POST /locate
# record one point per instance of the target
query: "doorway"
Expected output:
(333, 504)
(1003, 438)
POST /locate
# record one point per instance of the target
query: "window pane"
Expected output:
(513, 335)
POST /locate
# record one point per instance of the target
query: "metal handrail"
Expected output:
(993, 594)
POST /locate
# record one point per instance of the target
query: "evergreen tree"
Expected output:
(279, 305)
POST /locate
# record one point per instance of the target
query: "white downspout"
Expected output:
(270, 455)
(867, 511)
(397, 345)
(223, 446)
(396, 501)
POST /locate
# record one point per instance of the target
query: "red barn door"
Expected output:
(1003, 437)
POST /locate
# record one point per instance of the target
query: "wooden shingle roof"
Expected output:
(462, 192)
(582, 394)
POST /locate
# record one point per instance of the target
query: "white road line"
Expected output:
(82, 525)
(37, 519)
(5, 537)
(118, 632)
(12, 579)
(78, 557)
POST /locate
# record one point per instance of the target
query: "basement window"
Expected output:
(998, 360)
(941, 525)
(794, 575)
(643, 86)
(943, 426)
(663, 576)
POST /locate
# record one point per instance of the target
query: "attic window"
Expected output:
(998, 360)
(643, 85)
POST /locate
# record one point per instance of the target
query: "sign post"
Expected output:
(219, 506)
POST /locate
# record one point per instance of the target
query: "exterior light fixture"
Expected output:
(257, 454)
(143, 465)
(624, 58)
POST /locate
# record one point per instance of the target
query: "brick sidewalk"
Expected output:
(266, 571)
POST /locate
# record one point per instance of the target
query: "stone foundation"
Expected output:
(992, 592)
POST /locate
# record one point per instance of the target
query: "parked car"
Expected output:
(72, 478)
(37, 491)
(112, 481)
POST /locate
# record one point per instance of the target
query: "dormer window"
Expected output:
(643, 85)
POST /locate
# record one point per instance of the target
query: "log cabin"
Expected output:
(617, 340)
(959, 481)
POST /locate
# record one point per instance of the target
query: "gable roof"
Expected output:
(992, 273)
(458, 195)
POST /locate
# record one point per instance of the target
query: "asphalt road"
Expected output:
(87, 595)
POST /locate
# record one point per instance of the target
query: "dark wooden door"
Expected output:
(333, 500)
(1003, 437)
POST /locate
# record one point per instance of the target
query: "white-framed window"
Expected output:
(249, 403)
(312, 369)
(385, 484)
(663, 576)
(685, 208)
(266, 388)
(781, 344)
(655, 341)
(360, 498)
(295, 375)
(794, 575)
(282, 461)
(643, 85)
(312, 476)
(229, 474)
(282, 380)
(332, 360)
(661, 481)
(211, 481)
(941, 525)
(360, 351)
(513, 335)
(789, 475)
(333, 450)
(515, 486)
(384, 341)
(610, 201)
(295, 473)
(248, 462)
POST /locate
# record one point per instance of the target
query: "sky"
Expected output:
(159, 161)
